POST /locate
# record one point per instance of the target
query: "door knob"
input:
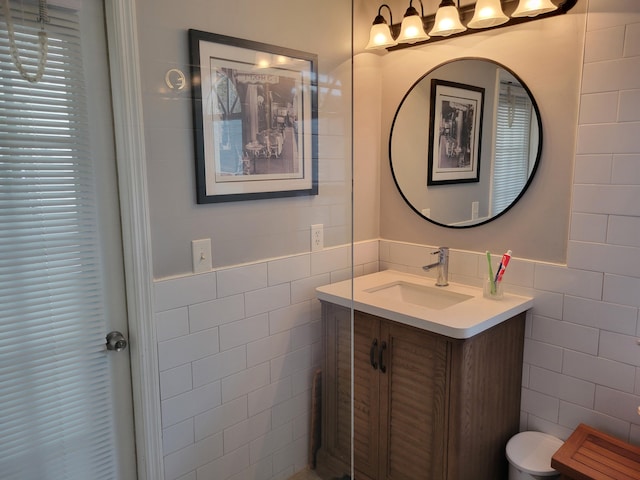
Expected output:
(116, 341)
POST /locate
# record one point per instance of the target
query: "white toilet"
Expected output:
(529, 455)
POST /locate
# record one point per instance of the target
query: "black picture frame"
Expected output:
(255, 110)
(455, 133)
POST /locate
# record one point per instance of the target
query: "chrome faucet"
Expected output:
(443, 266)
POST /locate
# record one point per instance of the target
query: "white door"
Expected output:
(95, 59)
(65, 399)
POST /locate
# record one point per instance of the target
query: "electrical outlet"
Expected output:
(317, 237)
(201, 255)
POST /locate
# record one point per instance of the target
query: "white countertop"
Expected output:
(462, 320)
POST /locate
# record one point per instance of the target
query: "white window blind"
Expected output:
(511, 162)
(55, 406)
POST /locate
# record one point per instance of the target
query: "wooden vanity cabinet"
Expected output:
(425, 406)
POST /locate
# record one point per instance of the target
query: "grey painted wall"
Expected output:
(547, 56)
(242, 231)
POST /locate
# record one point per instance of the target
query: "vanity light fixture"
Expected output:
(447, 21)
(380, 36)
(488, 13)
(450, 20)
(412, 29)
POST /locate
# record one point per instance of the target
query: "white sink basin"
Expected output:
(457, 311)
(435, 298)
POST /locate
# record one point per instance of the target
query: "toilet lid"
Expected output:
(531, 452)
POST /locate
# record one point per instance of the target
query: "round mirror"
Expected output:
(465, 142)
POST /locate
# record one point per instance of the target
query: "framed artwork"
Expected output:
(254, 119)
(455, 132)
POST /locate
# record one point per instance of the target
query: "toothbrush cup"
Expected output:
(496, 293)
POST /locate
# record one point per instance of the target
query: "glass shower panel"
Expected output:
(263, 155)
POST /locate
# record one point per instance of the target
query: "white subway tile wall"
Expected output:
(236, 370)
(612, 136)
(581, 357)
(238, 349)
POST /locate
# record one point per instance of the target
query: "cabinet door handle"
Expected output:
(383, 347)
(372, 353)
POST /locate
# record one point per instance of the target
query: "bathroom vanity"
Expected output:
(435, 395)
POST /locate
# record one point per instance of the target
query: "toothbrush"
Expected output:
(503, 266)
(493, 283)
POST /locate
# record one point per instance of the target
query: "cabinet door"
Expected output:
(413, 404)
(335, 455)
(366, 344)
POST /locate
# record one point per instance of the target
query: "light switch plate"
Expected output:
(201, 255)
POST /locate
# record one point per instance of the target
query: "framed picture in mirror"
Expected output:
(455, 132)
(255, 119)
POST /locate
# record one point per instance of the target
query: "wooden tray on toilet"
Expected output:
(589, 454)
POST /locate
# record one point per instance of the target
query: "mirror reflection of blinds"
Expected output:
(55, 406)
(511, 160)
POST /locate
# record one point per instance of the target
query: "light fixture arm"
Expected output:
(567, 5)
(380, 19)
(413, 10)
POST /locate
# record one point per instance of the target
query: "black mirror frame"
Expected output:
(533, 170)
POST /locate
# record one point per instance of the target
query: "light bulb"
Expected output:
(380, 37)
(532, 8)
(488, 13)
(412, 30)
(447, 21)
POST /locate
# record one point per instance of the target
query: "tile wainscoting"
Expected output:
(237, 351)
(238, 347)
